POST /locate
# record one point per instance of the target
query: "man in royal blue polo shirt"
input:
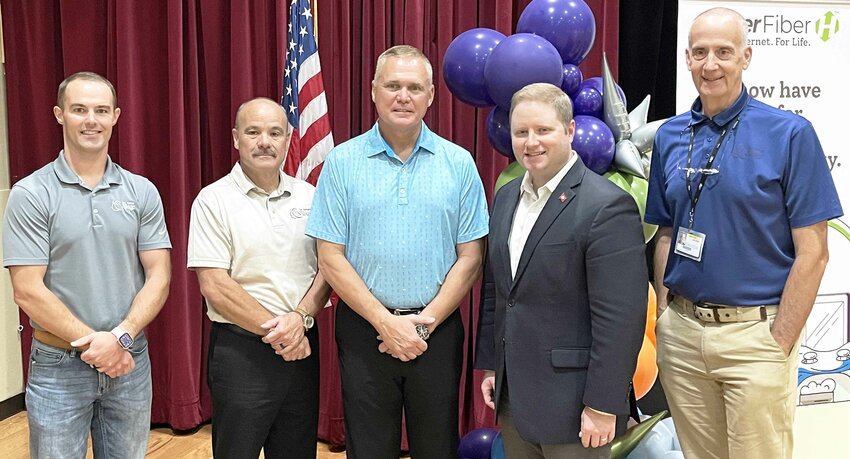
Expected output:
(400, 216)
(742, 194)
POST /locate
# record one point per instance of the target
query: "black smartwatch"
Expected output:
(124, 338)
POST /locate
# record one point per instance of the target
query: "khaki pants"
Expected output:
(730, 387)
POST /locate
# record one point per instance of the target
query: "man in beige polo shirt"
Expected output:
(259, 275)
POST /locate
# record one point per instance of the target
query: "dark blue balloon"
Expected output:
(597, 84)
(567, 24)
(499, 131)
(518, 61)
(572, 79)
(477, 444)
(594, 143)
(463, 65)
(588, 100)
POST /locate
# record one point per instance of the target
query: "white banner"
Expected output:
(801, 63)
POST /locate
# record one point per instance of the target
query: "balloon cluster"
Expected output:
(484, 68)
(484, 443)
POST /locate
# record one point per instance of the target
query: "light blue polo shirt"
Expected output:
(89, 238)
(400, 222)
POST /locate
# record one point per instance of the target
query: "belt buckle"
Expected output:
(405, 311)
(710, 312)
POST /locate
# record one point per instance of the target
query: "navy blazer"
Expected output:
(565, 333)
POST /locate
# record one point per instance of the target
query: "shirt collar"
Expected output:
(245, 184)
(376, 144)
(527, 187)
(721, 119)
(66, 174)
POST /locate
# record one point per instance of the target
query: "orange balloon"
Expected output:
(647, 370)
(650, 315)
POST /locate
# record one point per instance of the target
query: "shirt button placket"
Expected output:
(403, 182)
(96, 219)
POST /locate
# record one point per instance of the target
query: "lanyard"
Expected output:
(705, 171)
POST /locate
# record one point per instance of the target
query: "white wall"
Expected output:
(11, 373)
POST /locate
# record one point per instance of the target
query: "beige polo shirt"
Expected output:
(257, 237)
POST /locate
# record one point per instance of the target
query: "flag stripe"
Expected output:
(304, 97)
(310, 68)
(315, 111)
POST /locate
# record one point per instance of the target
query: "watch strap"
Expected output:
(307, 319)
(123, 337)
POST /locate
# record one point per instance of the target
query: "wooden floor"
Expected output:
(163, 443)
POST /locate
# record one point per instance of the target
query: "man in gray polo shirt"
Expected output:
(87, 248)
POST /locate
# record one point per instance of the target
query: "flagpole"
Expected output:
(315, 4)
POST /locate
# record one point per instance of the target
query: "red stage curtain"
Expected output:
(181, 68)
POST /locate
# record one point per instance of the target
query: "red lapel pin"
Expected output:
(562, 197)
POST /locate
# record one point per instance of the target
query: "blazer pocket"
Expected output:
(571, 358)
(560, 246)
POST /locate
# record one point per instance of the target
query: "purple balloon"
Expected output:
(477, 444)
(567, 24)
(594, 143)
(597, 84)
(588, 100)
(499, 131)
(517, 61)
(572, 79)
(463, 65)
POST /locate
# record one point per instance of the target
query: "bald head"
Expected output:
(261, 103)
(721, 15)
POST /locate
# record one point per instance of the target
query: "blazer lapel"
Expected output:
(561, 197)
(503, 225)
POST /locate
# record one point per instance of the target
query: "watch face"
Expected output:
(308, 322)
(125, 340)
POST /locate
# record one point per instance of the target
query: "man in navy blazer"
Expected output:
(564, 304)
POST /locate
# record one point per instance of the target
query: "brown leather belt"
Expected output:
(50, 339)
(723, 313)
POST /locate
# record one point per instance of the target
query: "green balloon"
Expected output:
(624, 444)
(510, 172)
(637, 187)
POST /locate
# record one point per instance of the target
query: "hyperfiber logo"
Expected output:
(778, 24)
(827, 26)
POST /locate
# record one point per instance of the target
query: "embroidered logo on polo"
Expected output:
(299, 213)
(123, 206)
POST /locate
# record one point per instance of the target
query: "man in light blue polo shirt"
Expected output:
(87, 248)
(400, 216)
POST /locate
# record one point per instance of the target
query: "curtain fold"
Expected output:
(181, 68)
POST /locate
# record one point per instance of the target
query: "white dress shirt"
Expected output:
(530, 205)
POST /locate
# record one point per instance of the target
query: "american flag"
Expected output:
(304, 97)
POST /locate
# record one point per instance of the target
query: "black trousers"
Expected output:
(261, 401)
(376, 387)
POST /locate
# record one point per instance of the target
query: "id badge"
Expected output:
(689, 243)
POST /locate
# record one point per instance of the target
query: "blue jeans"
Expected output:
(66, 398)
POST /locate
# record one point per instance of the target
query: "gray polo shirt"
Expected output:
(88, 238)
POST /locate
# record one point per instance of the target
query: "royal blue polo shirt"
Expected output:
(771, 177)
